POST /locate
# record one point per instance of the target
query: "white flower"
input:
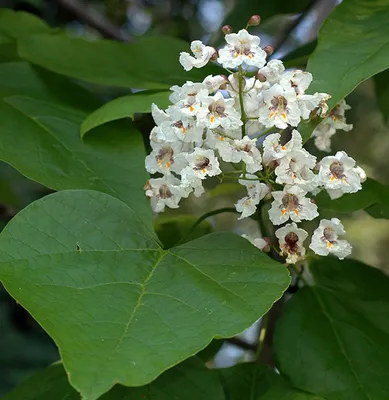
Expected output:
(165, 157)
(183, 130)
(296, 169)
(242, 48)
(323, 134)
(307, 103)
(213, 83)
(338, 173)
(260, 243)
(327, 128)
(279, 107)
(325, 239)
(187, 99)
(161, 194)
(291, 241)
(291, 203)
(202, 54)
(247, 151)
(297, 80)
(273, 71)
(202, 163)
(159, 115)
(274, 151)
(361, 173)
(337, 118)
(256, 191)
(216, 111)
(241, 150)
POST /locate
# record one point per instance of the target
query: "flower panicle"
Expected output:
(245, 122)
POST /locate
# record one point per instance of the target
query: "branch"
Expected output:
(94, 19)
(292, 26)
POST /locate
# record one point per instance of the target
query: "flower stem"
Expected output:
(204, 217)
(241, 102)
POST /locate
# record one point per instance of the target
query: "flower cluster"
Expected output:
(226, 121)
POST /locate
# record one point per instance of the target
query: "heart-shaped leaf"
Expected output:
(332, 338)
(187, 381)
(121, 309)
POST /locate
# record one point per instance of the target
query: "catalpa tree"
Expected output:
(137, 309)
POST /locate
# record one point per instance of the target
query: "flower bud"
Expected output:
(314, 114)
(269, 50)
(254, 20)
(227, 29)
(261, 77)
(214, 56)
(267, 248)
(223, 86)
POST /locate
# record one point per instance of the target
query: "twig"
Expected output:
(292, 26)
(91, 17)
(242, 344)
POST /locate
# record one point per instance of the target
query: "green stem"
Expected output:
(265, 132)
(204, 217)
(241, 102)
(222, 133)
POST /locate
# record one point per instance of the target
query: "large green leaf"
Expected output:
(374, 198)
(353, 45)
(40, 117)
(150, 63)
(188, 381)
(332, 338)
(121, 309)
(125, 107)
(254, 382)
(17, 24)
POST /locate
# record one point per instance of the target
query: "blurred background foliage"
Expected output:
(289, 26)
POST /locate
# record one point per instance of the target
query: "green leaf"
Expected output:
(15, 25)
(150, 63)
(332, 338)
(382, 89)
(251, 381)
(18, 24)
(40, 117)
(373, 193)
(121, 309)
(125, 107)
(353, 45)
(188, 381)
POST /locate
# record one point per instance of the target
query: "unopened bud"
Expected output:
(269, 242)
(314, 114)
(223, 86)
(214, 56)
(147, 186)
(261, 77)
(269, 50)
(254, 20)
(273, 164)
(227, 29)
